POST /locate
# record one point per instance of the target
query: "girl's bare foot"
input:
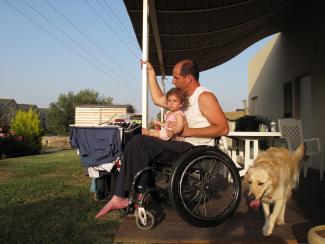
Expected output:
(145, 132)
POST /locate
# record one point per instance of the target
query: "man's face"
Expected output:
(180, 81)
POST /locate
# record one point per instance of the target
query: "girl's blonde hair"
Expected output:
(180, 94)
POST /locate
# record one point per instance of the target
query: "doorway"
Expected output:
(305, 107)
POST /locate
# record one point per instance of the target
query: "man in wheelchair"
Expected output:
(204, 122)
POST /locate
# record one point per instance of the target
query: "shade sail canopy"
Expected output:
(210, 32)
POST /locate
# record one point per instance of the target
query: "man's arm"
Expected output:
(157, 95)
(179, 124)
(211, 110)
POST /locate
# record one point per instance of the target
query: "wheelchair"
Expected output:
(203, 187)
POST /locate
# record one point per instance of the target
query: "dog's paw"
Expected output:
(267, 230)
(280, 222)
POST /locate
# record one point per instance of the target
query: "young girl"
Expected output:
(176, 100)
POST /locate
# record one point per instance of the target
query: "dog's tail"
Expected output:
(299, 154)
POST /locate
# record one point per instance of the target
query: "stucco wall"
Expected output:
(296, 52)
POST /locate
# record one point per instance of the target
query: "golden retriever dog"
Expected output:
(271, 178)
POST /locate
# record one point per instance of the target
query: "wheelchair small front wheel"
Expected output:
(149, 224)
(205, 186)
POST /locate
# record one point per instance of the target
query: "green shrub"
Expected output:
(13, 147)
(251, 123)
(26, 135)
(3, 140)
(10, 144)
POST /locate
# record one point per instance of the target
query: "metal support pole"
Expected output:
(145, 48)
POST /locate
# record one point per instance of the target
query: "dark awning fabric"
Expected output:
(210, 32)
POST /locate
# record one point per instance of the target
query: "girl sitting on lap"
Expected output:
(176, 102)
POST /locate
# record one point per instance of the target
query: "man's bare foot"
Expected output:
(115, 203)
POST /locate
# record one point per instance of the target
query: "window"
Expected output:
(254, 104)
(287, 100)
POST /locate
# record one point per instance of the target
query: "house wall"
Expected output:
(263, 82)
(295, 53)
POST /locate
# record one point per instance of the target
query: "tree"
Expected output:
(61, 114)
(56, 122)
(88, 96)
(130, 109)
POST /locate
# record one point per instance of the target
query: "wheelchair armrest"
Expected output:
(132, 127)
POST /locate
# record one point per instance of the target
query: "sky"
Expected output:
(48, 48)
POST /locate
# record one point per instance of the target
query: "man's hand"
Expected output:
(149, 66)
(171, 124)
(170, 127)
(185, 131)
(157, 95)
(170, 133)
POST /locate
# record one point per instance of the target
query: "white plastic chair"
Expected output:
(291, 130)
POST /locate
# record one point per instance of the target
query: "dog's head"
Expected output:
(259, 181)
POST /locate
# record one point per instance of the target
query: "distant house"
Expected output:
(8, 109)
(233, 116)
(94, 114)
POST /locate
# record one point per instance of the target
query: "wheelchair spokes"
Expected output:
(205, 187)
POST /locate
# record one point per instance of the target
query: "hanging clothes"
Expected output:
(96, 145)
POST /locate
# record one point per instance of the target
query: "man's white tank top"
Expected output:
(196, 120)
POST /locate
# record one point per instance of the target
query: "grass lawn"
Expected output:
(46, 199)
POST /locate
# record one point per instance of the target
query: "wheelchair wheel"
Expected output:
(205, 186)
(150, 221)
